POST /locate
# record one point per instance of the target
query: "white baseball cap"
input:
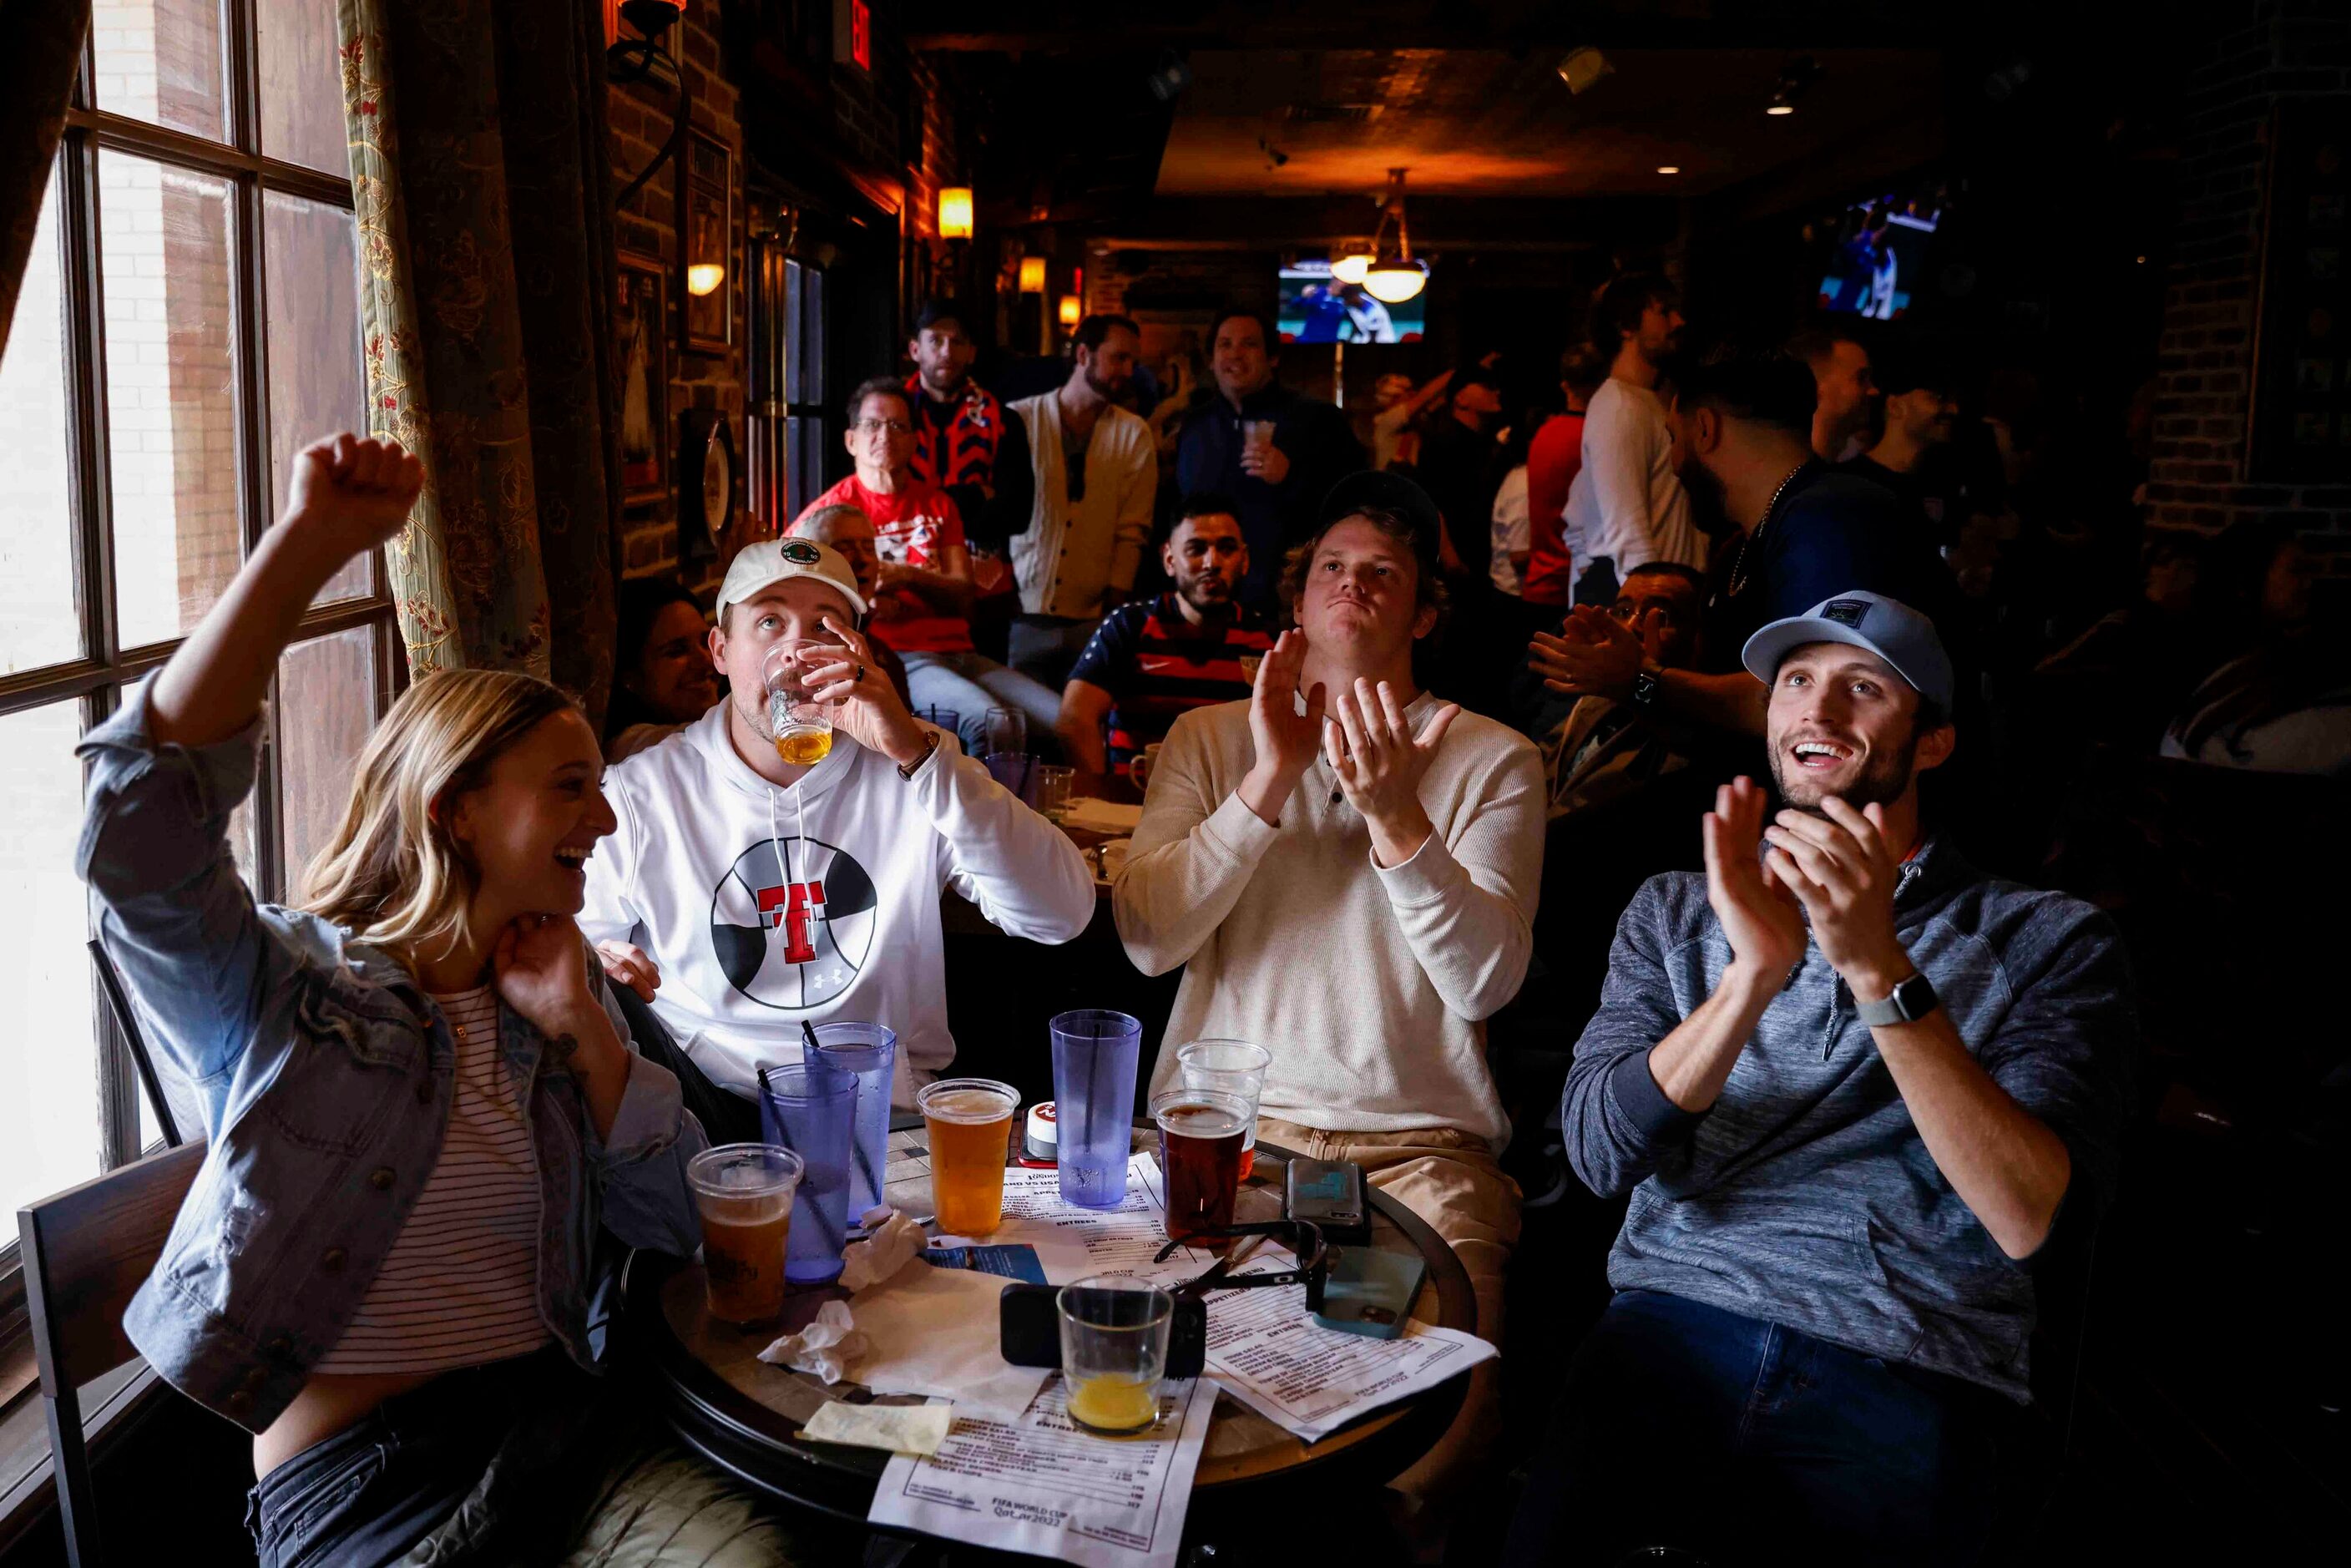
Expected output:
(770, 562)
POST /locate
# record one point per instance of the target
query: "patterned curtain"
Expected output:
(479, 172)
(36, 72)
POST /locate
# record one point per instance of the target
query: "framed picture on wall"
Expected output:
(641, 331)
(709, 244)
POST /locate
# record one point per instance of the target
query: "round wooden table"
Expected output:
(741, 1414)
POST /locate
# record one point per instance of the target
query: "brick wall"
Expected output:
(872, 117)
(2260, 51)
(641, 114)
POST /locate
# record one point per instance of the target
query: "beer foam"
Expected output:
(967, 1105)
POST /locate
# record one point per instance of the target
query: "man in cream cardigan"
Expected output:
(1097, 473)
(1347, 869)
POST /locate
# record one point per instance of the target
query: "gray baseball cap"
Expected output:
(1886, 627)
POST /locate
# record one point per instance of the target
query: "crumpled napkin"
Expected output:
(826, 1347)
(935, 1331)
(896, 1242)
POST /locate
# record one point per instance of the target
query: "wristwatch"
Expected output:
(1646, 685)
(930, 744)
(1909, 1001)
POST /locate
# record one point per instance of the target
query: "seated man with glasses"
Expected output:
(1854, 1086)
(922, 604)
(759, 895)
(1602, 749)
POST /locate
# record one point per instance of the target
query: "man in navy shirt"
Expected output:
(1152, 661)
(1806, 532)
(1276, 484)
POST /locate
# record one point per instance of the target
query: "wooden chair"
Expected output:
(86, 1251)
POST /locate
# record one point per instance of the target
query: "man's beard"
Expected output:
(1708, 510)
(1881, 782)
(1208, 594)
(754, 715)
(1108, 391)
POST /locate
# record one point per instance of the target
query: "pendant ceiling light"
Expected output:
(1351, 263)
(1396, 276)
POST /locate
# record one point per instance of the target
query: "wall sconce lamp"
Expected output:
(704, 278)
(1073, 309)
(954, 211)
(1032, 275)
(636, 60)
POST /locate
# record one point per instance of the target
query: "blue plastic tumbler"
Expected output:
(811, 1109)
(870, 1052)
(1094, 1057)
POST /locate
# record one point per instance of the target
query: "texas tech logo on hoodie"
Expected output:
(792, 922)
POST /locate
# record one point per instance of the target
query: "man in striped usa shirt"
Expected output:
(1150, 662)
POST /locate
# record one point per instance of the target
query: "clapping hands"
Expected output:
(1380, 763)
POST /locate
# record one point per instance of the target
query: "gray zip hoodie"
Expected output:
(1804, 1195)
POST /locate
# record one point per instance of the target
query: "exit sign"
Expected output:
(853, 33)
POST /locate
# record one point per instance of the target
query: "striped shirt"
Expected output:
(460, 1287)
(1157, 666)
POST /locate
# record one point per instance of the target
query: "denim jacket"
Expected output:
(1804, 1195)
(326, 1078)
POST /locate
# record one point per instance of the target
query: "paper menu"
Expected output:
(1268, 1353)
(1041, 1486)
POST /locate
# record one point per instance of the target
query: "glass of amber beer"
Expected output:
(1203, 1150)
(969, 1121)
(803, 726)
(744, 1192)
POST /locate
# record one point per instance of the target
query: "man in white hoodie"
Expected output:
(759, 895)
(1347, 869)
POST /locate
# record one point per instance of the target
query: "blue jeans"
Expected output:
(971, 683)
(501, 1462)
(1685, 1426)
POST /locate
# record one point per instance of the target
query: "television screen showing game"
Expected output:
(1879, 257)
(1316, 308)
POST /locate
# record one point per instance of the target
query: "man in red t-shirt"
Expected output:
(1551, 463)
(921, 608)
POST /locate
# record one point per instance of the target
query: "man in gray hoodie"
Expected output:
(1853, 1085)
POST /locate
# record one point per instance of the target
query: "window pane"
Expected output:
(302, 85)
(170, 391)
(317, 382)
(160, 60)
(40, 614)
(796, 389)
(326, 706)
(48, 1080)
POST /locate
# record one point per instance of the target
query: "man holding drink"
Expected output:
(758, 893)
(1342, 811)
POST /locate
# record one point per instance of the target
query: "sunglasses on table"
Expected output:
(1302, 1237)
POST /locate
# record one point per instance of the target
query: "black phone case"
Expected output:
(1029, 1329)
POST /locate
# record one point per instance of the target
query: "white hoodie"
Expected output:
(756, 929)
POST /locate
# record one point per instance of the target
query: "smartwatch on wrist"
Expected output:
(1909, 1001)
(1647, 685)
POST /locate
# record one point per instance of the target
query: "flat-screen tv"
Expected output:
(1879, 257)
(1316, 308)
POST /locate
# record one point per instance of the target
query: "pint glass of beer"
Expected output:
(1201, 1148)
(744, 1192)
(803, 726)
(970, 1123)
(1230, 1067)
